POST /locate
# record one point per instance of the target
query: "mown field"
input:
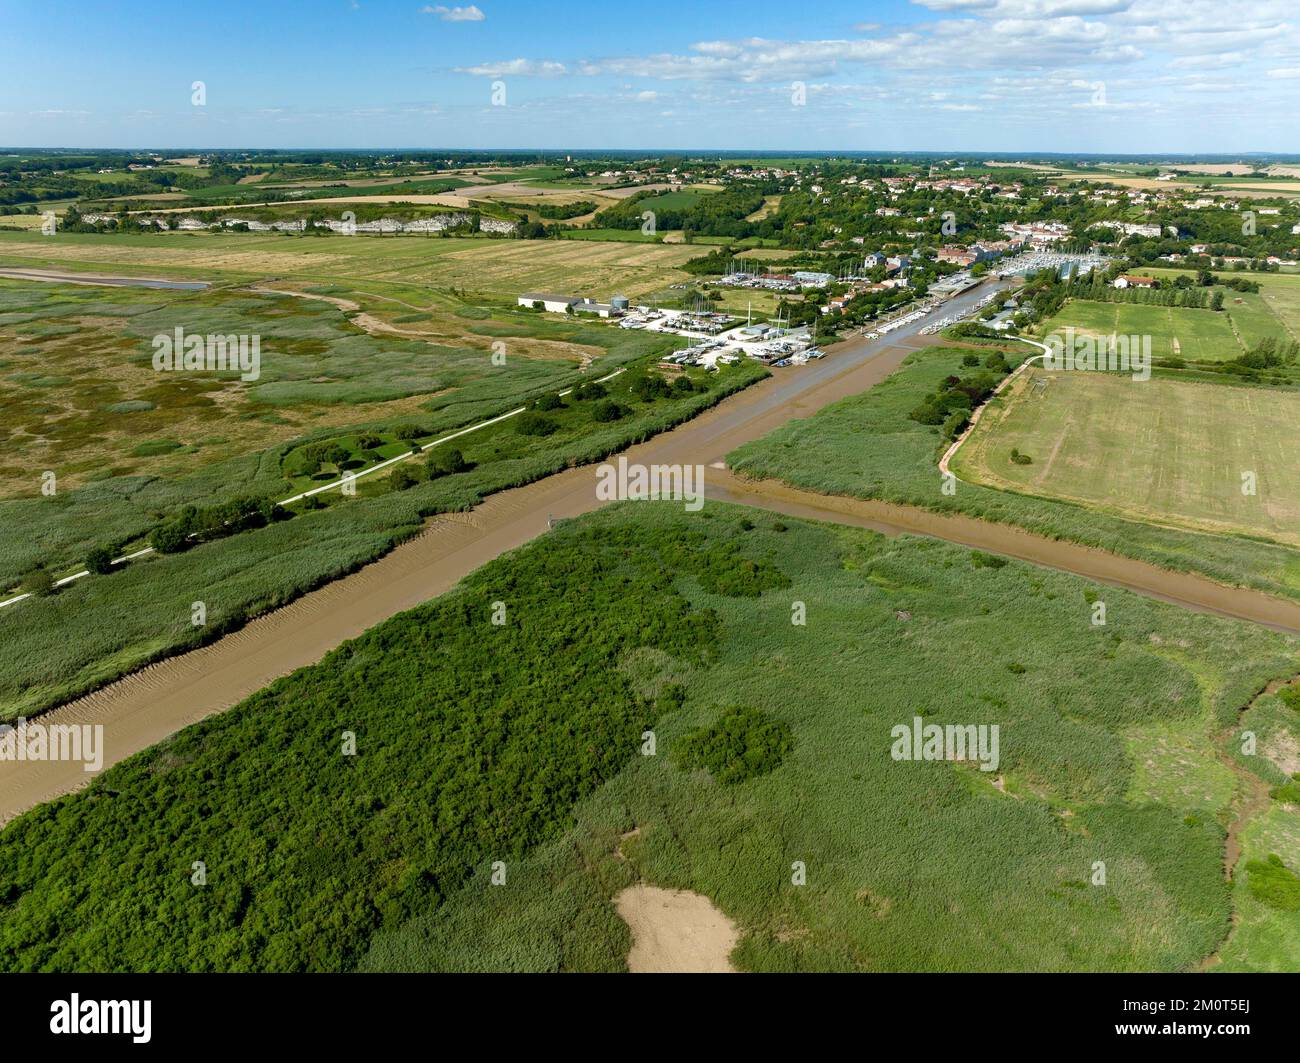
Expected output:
(1195, 335)
(1176, 332)
(520, 745)
(502, 268)
(1160, 450)
(1273, 311)
(868, 447)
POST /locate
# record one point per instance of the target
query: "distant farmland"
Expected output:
(496, 267)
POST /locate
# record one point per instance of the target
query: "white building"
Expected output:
(553, 304)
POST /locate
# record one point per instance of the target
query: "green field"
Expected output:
(1161, 450)
(1176, 332)
(1273, 311)
(522, 744)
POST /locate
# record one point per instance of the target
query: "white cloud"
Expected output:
(516, 68)
(454, 14)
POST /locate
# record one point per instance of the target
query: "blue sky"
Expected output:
(1103, 76)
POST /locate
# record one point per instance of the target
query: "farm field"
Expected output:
(1275, 310)
(911, 865)
(498, 268)
(1162, 450)
(1176, 332)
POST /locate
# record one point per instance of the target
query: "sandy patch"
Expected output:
(675, 932)
(1284, 751)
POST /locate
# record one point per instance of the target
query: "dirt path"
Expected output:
(145, 707)
(1255, 799)
(55, 276)
(675, 932)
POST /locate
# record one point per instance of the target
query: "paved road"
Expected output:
(145, 707)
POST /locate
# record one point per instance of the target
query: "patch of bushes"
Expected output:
(1019, 458)
(446, 462)
(194, 524)
(589, 392)
(952, 402)
(534, 424)
(1287, 793)
(100, 561)
(38, 582)
(743, 744)
(514, 726)
(403, 478)
(607, 411)
(1273, 883)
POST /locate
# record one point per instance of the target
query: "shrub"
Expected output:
(671, 698)
(1020, 459)
(409, 431)
(970, 360)
(1272, 882)
(1290, 697)
(983, 560)
(168, 538)
(607, 410)
(368, 441)
(214, 522)
(589, 392)
(1289, 794)
(311, 457)
(954, 423)
(534, 424)
(446, 462)
(100, 561)
(743, 744)
(403, 478)
(38, 583)
(548, 402)
(650, 386)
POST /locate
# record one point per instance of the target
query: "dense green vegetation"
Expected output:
(719, 213)
(743, 744)
(911, 866)
(98, 628)
(472, 741)
(1274, 883)
(521, 743)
